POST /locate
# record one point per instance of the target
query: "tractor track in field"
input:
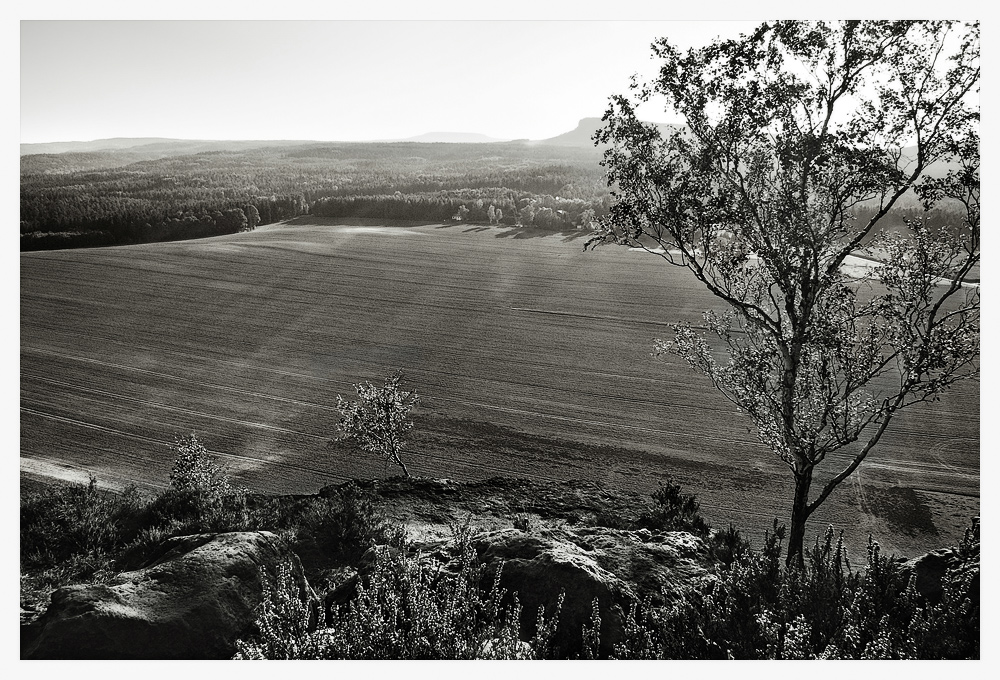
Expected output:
(615, 319)
(177, 409)
(75, 422)
(170, 376)
(533, 414)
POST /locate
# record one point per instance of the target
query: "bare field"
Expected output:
(531, 356)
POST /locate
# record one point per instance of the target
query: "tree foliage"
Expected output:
(798, 140)
(379, 419)
(196, 472)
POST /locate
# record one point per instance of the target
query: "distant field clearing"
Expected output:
(532, 359)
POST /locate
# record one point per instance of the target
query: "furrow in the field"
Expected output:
(147, 374)
(114, 446)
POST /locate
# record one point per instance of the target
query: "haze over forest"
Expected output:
(581, 135)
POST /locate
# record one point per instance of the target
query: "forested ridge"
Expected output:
(117, 197)
(107, 198)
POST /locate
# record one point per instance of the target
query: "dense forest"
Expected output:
(141, 195)
(107, 198)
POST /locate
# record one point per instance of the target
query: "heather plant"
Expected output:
(78, 522)
(950, 629)
(407, 607)
(592, 632)
(758, 609)
(888, 619)
(284, 622)
(346, 523)
(73, 533)
(201, 496)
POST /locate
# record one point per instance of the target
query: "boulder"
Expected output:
(929, 571)
(616, 567)
(192, 600)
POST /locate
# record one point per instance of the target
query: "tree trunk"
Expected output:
(800, 512)
(397, 460)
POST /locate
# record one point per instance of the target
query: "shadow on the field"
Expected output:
(520, 232)
(536, 232)
(318, 220)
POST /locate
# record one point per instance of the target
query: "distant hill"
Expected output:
(123, 150)
(149, 148)
(153, 147)
(454, 138)
(583, 135)
(115, 144)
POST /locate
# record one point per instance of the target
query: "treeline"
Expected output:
(902, 219)
(493, 207)
(202, 194)
(68, 200)
(147, 224)
(79, 200)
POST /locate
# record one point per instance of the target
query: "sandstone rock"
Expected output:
(613, 566)
(929, 569)
(192, 600)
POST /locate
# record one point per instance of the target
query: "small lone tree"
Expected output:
(797, 141)
(197, 473)
(379, 419)
(201, 490)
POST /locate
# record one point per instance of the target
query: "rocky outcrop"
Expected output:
(613, 566)
(196, 595)
(929, 570)
(191, 600)
(546, 539)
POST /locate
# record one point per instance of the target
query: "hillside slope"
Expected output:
(532, 357)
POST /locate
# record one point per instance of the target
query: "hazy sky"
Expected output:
(331, 80)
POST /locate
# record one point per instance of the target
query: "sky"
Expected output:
(332, 80)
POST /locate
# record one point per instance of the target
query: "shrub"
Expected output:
(196, 472)
(72, 533)
(202, 497)
(759, 610)
(727, 545)
(76, 521)
(379, 419)
(406, 608)
(522, 521)
(673, 511)
(347, 524)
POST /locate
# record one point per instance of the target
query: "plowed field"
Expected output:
(531, 356)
